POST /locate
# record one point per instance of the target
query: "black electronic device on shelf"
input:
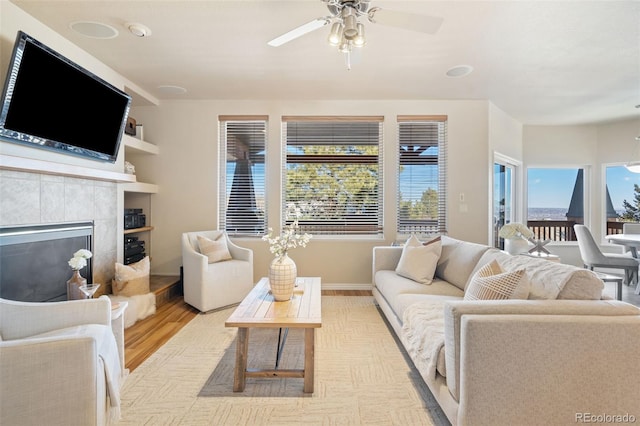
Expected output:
(134, 218)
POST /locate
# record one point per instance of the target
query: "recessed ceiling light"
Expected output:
(459, 71)
(94, 29)
(137, 29)
(172, 90)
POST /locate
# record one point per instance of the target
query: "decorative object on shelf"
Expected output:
(538, 246)
(130, 128)
(139, 132)
(282, 270)
(515, 237)
(129, 168)
(77, 262)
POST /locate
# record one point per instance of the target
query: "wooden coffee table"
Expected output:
(259, 309)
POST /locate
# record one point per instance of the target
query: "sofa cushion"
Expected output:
(457, 260)
(491, 282)
(418, 260)
(215, 250)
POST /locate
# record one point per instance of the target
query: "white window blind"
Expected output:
(333, 171)
(422, 174)
(242, 174)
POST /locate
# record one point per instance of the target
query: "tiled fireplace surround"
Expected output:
(32, 198)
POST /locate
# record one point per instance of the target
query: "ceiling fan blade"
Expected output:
(409, 21)
(298, 32)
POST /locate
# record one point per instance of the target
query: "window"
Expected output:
(333, 171)
(503, 194)
(556, 202)
(622, 198)
(422, 184)
(242, 174)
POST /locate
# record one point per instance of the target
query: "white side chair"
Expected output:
(630, 228)
(209, 286)
(592, 256)
(59, 363)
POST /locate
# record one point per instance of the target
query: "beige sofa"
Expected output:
(563, 356)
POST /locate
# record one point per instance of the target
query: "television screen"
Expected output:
(50, 102)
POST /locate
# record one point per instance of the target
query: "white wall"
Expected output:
(187, 172)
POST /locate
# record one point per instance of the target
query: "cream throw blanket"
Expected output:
(545, 278)
(423, 335)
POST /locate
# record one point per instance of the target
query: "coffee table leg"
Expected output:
(309, 367)
(242, 350)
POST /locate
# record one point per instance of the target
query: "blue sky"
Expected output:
(553, 187)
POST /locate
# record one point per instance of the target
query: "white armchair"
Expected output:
(209, 286)
(59, 363)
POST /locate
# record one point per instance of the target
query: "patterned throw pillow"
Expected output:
(216, 251)
(419, 260)
(491, 283)
(132, 279)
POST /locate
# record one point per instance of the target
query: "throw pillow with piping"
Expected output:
(419, 260)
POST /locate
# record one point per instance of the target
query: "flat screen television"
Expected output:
(50, 102)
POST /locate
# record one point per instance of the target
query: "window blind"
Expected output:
(242, 174)
(422, 174)
(333, 172)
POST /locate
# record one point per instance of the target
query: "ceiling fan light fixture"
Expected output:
(359, 40)
(350, 23)
(335, 36)
(633, 166)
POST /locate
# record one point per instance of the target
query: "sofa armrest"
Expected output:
(547, 369)
(23, 319)
(455, 311)
(52, 377)
(385, 258)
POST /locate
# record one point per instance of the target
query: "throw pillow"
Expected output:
(491, 283)
(419, 260)
(132, 279)
(216, 250)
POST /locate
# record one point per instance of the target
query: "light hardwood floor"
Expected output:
(143, 338)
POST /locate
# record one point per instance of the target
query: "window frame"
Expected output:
(441, 225)
(316, 227)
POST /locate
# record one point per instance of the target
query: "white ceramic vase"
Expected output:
(516, 245)
(282, 277)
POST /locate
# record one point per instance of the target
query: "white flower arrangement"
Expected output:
(515, 230)
(79, 259)
(289, 238)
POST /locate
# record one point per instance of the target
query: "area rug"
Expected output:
(362, 376)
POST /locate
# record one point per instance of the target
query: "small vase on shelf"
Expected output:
(73, 286)
(282, 277)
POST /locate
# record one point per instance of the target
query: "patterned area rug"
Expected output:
(362, 376)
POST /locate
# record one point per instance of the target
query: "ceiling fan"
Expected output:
(347, 32)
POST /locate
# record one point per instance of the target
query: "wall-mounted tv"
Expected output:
(53, 103)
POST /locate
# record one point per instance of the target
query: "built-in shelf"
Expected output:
(140, 187)
(136, 230)
(137, 146)
(10, 162)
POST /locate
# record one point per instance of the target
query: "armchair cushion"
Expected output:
(215, 250)
(132, 279)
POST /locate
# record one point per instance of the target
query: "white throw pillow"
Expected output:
(491, 283)
(419, 260)
(216, 251)
(132, 279)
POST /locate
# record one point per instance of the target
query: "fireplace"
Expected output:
(33, 259)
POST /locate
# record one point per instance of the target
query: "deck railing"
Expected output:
(562, 230)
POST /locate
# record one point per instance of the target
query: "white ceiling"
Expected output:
(542, 62)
